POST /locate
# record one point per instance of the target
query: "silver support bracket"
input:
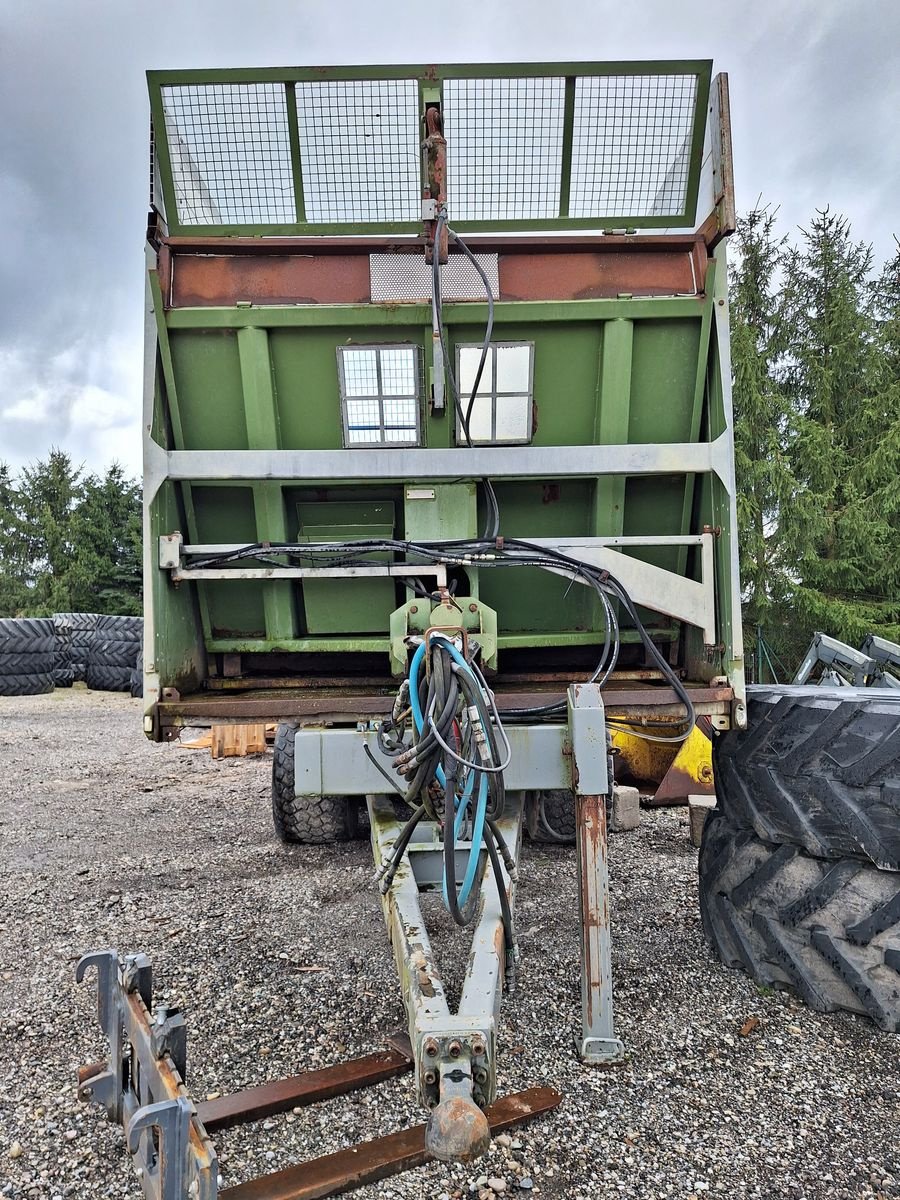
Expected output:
(587, 727)
(141, 1085)
(333, 762)
(455, 1052)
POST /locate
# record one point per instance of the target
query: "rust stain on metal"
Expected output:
(308, 1088)
(369, 1162)
(216, 280)
(586, 275)
(458, 1131)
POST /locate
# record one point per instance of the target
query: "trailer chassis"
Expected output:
(453, 1054)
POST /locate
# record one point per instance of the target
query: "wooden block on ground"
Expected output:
(236, 741)
(699, 808)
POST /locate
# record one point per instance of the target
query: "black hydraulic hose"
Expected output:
(505, 909)
(389, 867)
(492, 527)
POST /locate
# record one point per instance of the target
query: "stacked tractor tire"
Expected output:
(40, 653)
(113, 653)
(28, 656)
(800, 861)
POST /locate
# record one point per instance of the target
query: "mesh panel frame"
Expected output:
(631, 145)
(359, 150)
(504, 148)
(380, 395)
(229, 152)
(337, 150)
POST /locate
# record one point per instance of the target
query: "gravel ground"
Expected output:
(280, 959)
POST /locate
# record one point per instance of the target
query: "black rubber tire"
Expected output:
(117, 628)
(27, 635)
(63, 672)
(106, 652)
(102, 678)
(550, 817)
(307, 820)
(77, 622)
(24, 662)
(26, 685)
(816, 769)
(827, 929)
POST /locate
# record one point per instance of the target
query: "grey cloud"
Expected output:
(815, 94)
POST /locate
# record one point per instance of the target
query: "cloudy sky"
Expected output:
(815, 93)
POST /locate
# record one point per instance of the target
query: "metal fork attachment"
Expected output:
(141, 1086)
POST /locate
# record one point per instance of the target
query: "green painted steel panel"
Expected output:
(208, 374)
(226, 514)
(347, 606)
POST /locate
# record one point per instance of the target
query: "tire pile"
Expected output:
(113, 653)
(28, 656)
(40, 653)
(800, 860)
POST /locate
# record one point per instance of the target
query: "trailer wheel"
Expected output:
(816, 769)
(827, 929)
(309, 820)
(550, 817)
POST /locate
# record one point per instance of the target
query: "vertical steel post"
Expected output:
(591, 783)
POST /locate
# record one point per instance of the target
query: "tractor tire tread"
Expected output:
(816, 771)
(829, 931)
(306, 820)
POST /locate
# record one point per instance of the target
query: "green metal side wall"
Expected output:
(605, 372)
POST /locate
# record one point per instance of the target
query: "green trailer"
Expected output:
(439, 477)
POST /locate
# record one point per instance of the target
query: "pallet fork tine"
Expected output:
(142, 1087)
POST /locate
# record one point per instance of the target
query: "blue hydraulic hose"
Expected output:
(465, 800)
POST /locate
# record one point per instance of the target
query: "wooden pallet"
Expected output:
(234, 741)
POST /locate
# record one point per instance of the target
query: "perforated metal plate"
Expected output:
(408, 277)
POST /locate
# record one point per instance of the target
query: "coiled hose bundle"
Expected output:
(445, 737)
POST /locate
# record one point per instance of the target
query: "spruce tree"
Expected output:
(761, 426)
(14, 593)
(839, 533)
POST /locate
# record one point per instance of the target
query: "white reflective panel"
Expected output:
(469, 358)
(513, 368)
(513, 418)
(360, 372)
(398, 371)
(479, 419)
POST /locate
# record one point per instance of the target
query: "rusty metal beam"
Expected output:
(368, 1162)
(255, 1103)
(345, 705)
(508, 244)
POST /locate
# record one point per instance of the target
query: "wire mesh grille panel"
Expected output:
(504, 148)
(379, 395)
(230, 153)
(631, 145)
(359, 149)
(408, 277)
(332, 151)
